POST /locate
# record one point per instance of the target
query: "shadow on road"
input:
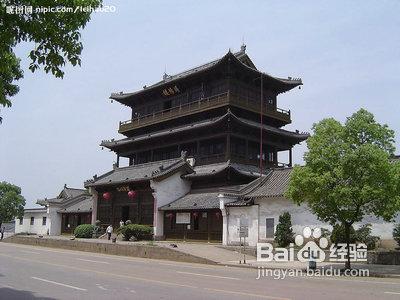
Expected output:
(9, 293)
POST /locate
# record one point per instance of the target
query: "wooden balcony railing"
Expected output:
(202, 105)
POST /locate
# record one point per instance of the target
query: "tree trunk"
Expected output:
(347, 233)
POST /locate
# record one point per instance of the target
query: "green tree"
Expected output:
(284, 233)
(348, 173)
(11, 202)
(396, 234)
(55, 38)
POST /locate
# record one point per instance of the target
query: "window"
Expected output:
(44, 220)
(269, 227)
(32, 220)
(270, 156)
(21, 221)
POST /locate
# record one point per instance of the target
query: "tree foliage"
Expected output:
(361, 235)
(348, 173)
(11, 202)
(284, 233)
(396, 234)
(55, 38)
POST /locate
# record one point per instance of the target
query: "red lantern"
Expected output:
(218, 215)
(131, 194)
(107, 196)
(195, 215)
(169, 215)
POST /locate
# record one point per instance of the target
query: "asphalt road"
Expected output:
(28, 272)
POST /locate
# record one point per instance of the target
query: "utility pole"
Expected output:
(261, 125)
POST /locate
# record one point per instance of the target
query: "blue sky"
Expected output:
(346, 52)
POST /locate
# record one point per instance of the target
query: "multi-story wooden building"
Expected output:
(190, 136)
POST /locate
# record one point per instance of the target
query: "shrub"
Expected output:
(396, 234)
(361, 235)
(284, 233)
(139, 232)
(84, 231)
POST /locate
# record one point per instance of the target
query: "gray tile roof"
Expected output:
(111, 144)
(273, 185)
(142, 172)
(279, 131)
(81, 205)
(200, 124)
(239, 57)
(195, 200)
(65, 194)
(211, 169)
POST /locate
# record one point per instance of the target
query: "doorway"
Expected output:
(125, 213)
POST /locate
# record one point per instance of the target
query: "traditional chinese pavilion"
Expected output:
(190, 137)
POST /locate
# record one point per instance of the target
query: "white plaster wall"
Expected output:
(37, 227)
(274, 207)
(166, 191)
(55, 220)
(233, 223)
(301, 217)
(379, 227)
(95, 197)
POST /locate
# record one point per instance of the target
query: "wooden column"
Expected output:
(290, 157)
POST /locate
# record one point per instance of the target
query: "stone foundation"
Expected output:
(134, 250)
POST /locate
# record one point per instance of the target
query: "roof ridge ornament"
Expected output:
(243, 48)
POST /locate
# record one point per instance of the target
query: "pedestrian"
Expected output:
(109, 231)
(2, 230)
(121, 223)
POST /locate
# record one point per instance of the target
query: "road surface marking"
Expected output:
(7, 286)
(207, 275)
(101, 287)
(58, 283)
(392, 293)
(30, 252)
(107, 274)
(94, 261)
(247, 294)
